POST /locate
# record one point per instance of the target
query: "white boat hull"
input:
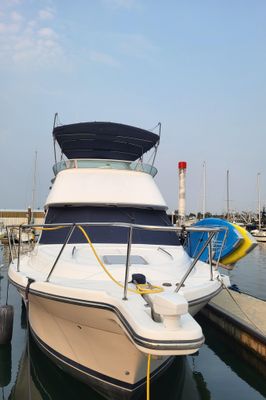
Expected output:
(260, 238)
(88, 342)
(101, 339)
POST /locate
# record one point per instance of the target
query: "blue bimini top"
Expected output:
(104, 140)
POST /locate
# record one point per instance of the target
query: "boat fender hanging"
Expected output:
(139, 279)
(6, 324)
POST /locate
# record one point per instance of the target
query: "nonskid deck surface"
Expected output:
(78, 268)
(78, 280)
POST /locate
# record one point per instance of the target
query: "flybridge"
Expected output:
(104, 140)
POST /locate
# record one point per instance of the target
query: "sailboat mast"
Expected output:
(34, 187)
(258, 189)
(227, 196)
(204, 190)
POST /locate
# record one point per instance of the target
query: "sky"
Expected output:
(198, 67)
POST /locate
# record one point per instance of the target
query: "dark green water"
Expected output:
(250, 273)
(219, 370)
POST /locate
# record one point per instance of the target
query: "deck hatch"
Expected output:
(121, 259)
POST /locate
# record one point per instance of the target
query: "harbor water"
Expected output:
(250, 273)
(217, 372)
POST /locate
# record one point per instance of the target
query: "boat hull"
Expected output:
(89, 343)
(259, 238)
(111, 389)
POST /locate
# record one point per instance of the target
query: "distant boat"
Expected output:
(260, 233)
(2, 231)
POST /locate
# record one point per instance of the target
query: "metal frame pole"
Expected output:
(210, 257)
(71, 230)
(9, 245)
(194, 262)
(19, 246)
(129, 242)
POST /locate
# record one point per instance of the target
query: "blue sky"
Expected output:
(196, 66)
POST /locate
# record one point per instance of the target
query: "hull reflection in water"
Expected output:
(5, 365)
(47, 381)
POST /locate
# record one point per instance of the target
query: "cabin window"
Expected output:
(109, 234)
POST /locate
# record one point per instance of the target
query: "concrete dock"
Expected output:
(242, 317)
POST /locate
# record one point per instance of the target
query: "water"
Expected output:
(250, 273)
(217, 372)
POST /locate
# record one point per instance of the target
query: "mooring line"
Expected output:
(241, 309)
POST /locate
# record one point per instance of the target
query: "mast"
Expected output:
(204, 190)
(227, 196)
(259, 206)
(34, 187)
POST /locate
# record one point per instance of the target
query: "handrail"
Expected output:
(211, 232)
(10, 246)
(71, 230)
(122, 225)
(129, 242)
(93, 163)
(208, 241)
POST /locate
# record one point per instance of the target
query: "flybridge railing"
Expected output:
(131, 227)
(105, 164)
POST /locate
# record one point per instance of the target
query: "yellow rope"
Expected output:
(146, 288)
(148, 377)
(49, 229)
(141, 288)
(98, 258)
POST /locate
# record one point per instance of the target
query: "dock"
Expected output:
(17, 217)
(243, 318)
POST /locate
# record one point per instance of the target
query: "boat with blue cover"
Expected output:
(229, 245)
(224, 243)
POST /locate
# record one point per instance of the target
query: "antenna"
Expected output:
(204, 190)
(227, 196)
(34, 187)
(258, 189)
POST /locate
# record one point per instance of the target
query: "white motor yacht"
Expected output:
(259, 235)
(110, 290)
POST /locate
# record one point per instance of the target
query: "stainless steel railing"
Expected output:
(131, 227)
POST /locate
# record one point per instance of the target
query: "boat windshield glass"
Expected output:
(105, 164)
(108, 234)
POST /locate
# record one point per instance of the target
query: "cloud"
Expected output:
(46, 32)
(28, 40)
(103, 58)
(16, 17)
(11, 2)
(137, 46)
(126, 4)
(46, 13)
